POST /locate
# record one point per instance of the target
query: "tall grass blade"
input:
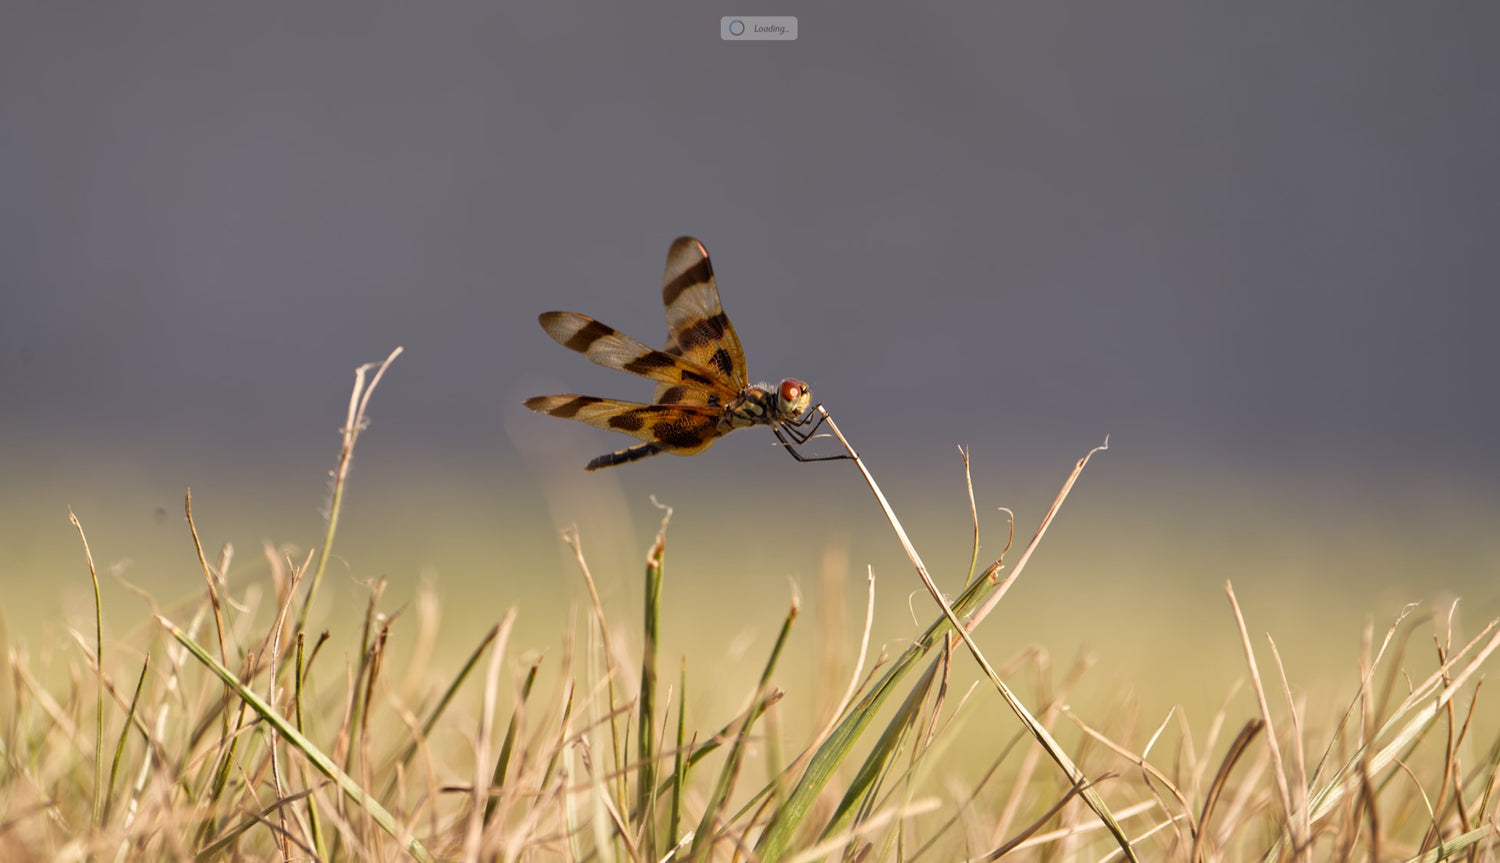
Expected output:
(703, 839)
(354, 423)
(114, 765)
(98, 676)
(866, 782)
(325, 765)
(645, 731)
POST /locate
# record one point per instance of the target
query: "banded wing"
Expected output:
(678, 429)
(682, 381)
(702, 391)
(697, 328)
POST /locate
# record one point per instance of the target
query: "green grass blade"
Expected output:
(314, 819)
(442, 704)
(777, 839)
(679, 767)
(645, 733)
(98, 677)
(866, 782)
(322, 762)
(502, 762)
(114, 766)
(703, 837)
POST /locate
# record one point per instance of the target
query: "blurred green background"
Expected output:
(1132, 571)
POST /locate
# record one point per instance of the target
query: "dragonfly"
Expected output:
(702, 392)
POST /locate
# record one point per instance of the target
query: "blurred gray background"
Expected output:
(1254, 245)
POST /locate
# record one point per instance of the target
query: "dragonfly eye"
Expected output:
(793, 398)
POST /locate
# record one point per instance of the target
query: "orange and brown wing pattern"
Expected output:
(680, 429)
(697, 328)
(683, 381)
(702, 391)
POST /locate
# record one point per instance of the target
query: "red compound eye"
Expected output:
(792, 390)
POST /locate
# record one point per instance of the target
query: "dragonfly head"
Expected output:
(792, 399)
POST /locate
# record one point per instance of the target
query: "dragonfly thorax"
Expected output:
(761, 405)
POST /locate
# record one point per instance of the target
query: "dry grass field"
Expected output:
(261, 719)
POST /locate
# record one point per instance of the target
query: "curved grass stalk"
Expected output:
(778, 835)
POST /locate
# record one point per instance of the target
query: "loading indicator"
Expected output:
(758, 28)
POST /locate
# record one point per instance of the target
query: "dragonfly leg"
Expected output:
(799, 439)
